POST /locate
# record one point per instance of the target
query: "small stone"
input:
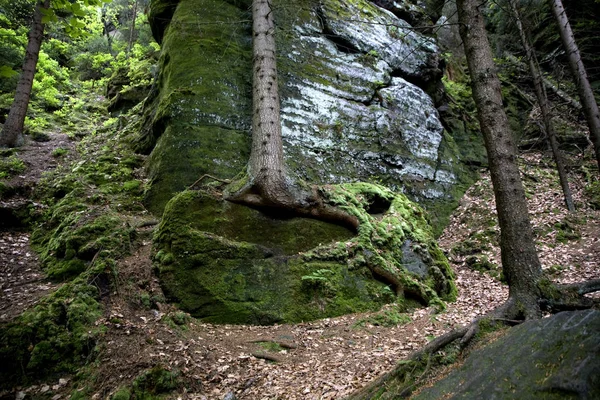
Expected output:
(230, 396)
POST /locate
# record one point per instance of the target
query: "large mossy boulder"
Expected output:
(551, 358)
(356, 85)
(228, 263)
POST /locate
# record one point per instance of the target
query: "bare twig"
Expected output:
(214, 178)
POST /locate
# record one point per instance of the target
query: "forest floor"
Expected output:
(324, 359)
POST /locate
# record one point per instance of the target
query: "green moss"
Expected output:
(549, 290)
(592, 192)
(270, 346)
(199, 121)
(55, 336)
(154, 382)
(122, 394)
(567, 230)
(225, 262)
(387, 317)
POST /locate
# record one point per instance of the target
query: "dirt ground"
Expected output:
(324, 359)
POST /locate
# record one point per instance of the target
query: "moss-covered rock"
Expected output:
(353, 104)
(224, 262)
(551, 358)
(55, 336)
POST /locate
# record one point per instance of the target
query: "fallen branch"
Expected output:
(214, 178)
(265, 356)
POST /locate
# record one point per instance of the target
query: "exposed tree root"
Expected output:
(294, 202)
(285, 200)
(284, 345)
(582, 288)
(265, 356)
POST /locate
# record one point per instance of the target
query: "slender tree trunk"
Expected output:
(12, 132)
(132, 31)
(520, 262)
(106, 25)
(266, 160)
(586, 95)
(542, 98)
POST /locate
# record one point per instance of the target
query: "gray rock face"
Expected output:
(551, 358)
(348, 113)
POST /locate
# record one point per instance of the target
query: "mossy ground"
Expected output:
(85, 225)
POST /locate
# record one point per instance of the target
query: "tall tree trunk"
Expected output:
(586, 95)
(132, 29)
(266, 166)
(12, 132)
(106, 25)
(267, 185)
(542, 97)
(520, 262)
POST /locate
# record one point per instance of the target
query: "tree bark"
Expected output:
(520, 262)
(12, 132)
(586, 95)
(266, 166)
(542, 98)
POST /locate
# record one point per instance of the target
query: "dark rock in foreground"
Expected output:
(551, 358)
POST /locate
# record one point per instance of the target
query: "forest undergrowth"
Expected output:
(143, 346)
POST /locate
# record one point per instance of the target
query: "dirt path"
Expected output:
(22, 282)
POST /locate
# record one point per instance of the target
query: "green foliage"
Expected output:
(59, 152)
(122, 394)
(49, 79)
(11, 166)
(12, 50)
